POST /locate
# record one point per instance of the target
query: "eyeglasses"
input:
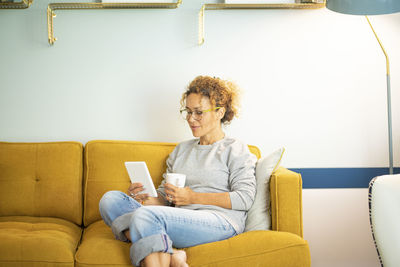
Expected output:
(196, 114)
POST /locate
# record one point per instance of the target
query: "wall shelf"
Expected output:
(68, 6)
(303, 4)
(16, 5)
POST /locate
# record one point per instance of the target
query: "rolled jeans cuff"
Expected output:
(150, 244)
(120, 224)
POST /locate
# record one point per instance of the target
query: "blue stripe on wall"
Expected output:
(339, 177)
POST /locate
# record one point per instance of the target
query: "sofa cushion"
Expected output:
(105, 169)
(100, 248)
(269, 248)
(259, 215)
(37, 241)
(41, 179)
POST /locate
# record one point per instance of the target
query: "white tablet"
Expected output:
(139, 173)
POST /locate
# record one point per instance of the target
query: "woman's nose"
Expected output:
(191, 119)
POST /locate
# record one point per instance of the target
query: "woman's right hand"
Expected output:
(134, 192)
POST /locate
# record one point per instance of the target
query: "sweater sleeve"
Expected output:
(242, 179)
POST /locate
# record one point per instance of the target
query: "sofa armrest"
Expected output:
(286, 201)
(384, 202)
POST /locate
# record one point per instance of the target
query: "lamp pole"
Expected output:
(389, 100)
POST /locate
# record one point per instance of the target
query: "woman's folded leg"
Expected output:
(158, 228)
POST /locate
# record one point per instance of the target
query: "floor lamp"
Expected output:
(372, 7)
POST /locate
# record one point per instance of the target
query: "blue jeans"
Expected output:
(157, 228)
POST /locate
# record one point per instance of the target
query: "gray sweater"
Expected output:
(225, 166)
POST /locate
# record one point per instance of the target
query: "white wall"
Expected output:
(313, 81)
(336, 226)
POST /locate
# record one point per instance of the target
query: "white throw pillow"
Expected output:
(259, 215)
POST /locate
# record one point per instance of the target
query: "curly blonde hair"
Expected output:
(222, 93)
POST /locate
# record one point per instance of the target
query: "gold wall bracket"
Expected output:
(16, 5)
(68, 6)
(303, 4)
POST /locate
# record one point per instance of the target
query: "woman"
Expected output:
(220, 185)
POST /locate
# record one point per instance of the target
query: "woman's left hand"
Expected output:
(179, 196)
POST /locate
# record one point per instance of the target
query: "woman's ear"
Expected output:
(221, 113)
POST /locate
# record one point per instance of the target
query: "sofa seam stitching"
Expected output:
(300, 205)
(85, 179)
(38, 261)
(277, 203)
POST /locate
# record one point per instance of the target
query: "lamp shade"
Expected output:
(364, 7)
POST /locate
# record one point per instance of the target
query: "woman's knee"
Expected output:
(109, 200)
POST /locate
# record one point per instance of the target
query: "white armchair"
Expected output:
(384, 211)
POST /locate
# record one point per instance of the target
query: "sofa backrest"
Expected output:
(41, 180)
(104, 168)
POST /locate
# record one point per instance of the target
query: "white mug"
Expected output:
(177, 179)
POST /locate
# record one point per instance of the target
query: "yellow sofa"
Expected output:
(49, 216)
